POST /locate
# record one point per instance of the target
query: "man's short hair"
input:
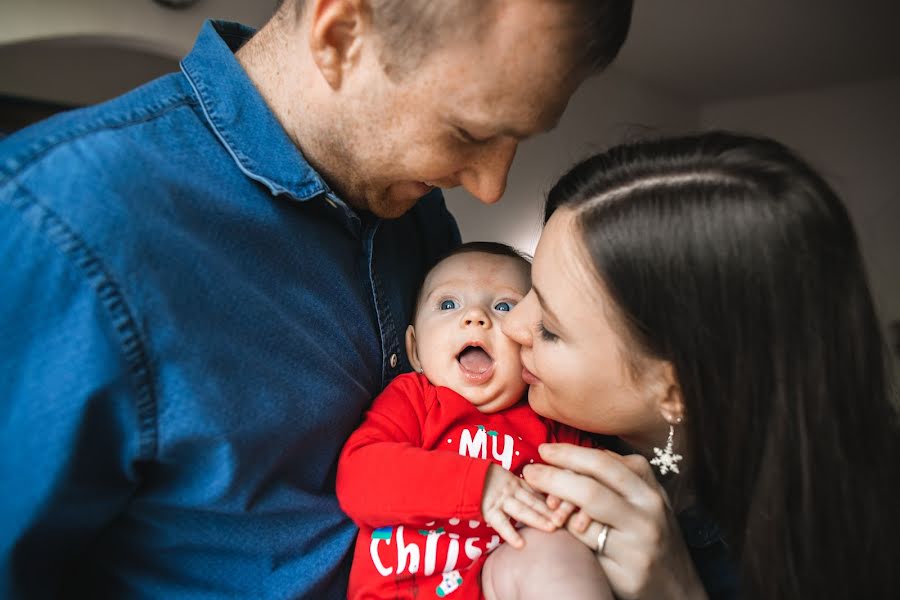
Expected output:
(411, 29)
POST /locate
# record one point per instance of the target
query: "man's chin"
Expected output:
(391, 211)
(392, 206)
(398, 199)
(380, 207)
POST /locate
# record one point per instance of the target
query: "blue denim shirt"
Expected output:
(191, 324)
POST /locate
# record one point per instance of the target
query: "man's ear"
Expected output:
(671, 402)
(335, 36)
(411, 352)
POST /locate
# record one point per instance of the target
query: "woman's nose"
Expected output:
(515, 326)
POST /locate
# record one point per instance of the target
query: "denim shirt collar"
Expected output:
(241, 118)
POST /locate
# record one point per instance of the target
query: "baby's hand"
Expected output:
(507, 496)
(562, 509)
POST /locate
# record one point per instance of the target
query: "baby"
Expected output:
(433, 475)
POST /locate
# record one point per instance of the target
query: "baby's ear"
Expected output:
(411, 352)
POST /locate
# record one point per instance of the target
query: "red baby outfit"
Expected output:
(412, 477)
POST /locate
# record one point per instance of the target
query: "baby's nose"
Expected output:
(476, 317)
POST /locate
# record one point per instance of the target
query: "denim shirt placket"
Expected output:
(390, 345)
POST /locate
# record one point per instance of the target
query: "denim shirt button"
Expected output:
(393, 361)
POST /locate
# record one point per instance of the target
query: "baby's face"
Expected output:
(456, 338)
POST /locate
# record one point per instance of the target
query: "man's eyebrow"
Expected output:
(508, 131)
(543, 127)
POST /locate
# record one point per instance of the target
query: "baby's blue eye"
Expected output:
(503, 307)
(448, 304)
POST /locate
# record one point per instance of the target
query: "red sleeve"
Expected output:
(385, 477)
(569, 435)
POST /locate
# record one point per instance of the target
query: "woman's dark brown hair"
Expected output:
(731, 258)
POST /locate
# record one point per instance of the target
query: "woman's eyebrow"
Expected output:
(544, 305)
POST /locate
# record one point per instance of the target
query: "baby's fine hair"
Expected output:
(496, 248)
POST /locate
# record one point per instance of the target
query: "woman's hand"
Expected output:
(508, 497)
(644, 555)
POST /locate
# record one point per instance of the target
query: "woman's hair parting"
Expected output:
(731, 258)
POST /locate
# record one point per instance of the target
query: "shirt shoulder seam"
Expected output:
(46, 144)
(108, 291)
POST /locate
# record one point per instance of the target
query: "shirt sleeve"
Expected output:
(385, 476)
(70, 430)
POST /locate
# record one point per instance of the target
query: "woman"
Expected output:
(705, 297)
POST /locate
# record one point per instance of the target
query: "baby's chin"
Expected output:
(501, 391)
(496, 402)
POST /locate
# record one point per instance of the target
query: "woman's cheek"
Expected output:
(537, 400)
(545, 396)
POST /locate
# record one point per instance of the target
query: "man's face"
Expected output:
(456, 340)
(457, 118)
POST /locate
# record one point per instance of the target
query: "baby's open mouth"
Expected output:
(475, 360)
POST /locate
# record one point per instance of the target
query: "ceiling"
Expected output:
(713, 50)
(700, 50)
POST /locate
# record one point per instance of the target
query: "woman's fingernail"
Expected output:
(532, 471)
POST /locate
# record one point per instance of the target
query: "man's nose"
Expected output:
(486, 176)
(476, 317)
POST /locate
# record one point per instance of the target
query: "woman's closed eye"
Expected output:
(546, 334)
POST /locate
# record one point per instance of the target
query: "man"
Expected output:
(207, 280)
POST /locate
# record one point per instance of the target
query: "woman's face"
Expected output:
(574, 358)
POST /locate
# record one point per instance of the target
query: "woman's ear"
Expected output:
(411, 352)
(335, 36)
(671, 402)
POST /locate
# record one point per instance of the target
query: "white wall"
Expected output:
(85, 51)
(138, 24)
(606, 110)
(76, 71)
(851, 134)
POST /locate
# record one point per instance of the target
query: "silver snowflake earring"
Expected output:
(666, 460)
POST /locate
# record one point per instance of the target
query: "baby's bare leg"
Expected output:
(551, 565)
